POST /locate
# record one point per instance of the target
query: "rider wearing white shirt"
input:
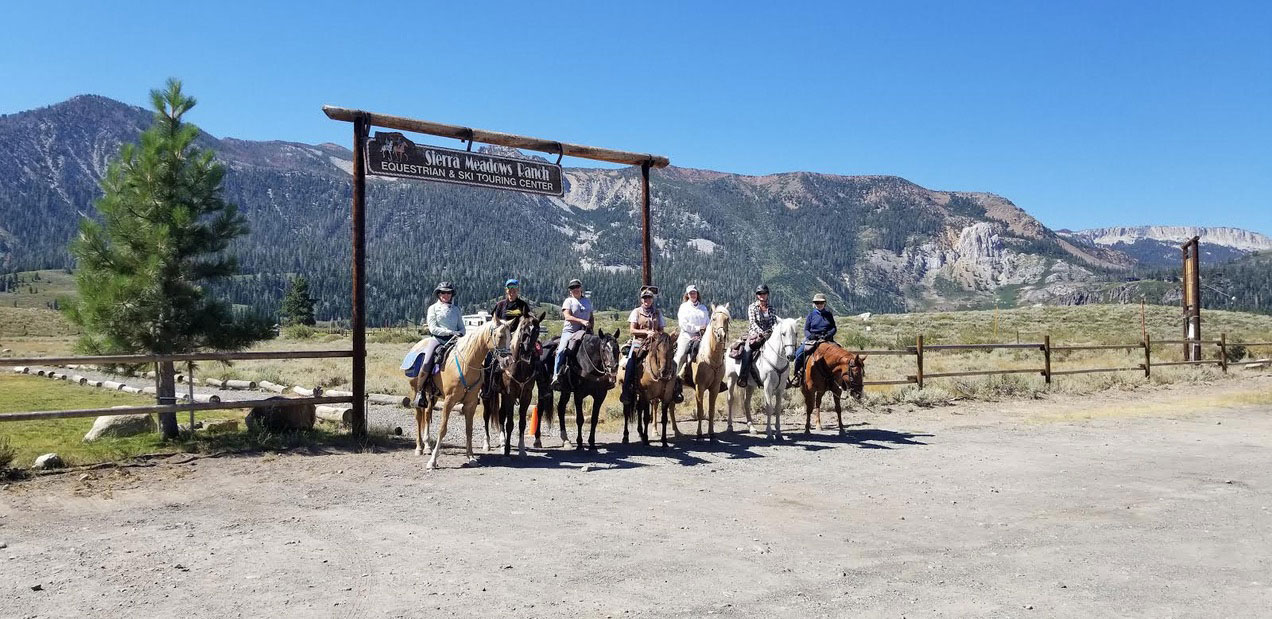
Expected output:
(693, 318)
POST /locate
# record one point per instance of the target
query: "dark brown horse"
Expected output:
(831, 368)
(514, 380)
(655, 387)
(591, 371)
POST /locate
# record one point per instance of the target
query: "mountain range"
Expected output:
(872, 243)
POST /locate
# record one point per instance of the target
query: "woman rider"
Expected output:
(444, 321)
(643, 322)
(577, 312)
(818, 326)
(693, 318)
(760, 319)
(512, 306)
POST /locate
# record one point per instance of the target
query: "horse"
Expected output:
(772, 366)
(592, 371)
(830, 368)
(707, 368)
(656, 382)
(514, 380)
(458, 383)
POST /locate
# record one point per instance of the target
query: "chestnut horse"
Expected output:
(830, 369)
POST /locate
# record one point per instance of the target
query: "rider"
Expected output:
(818, 327)
(644, 321)
(444, 321)
(760, 322)
(577, 312)
(693, 318)
(511, 307)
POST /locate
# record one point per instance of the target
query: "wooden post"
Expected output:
(166, 394)
(1046, 357)
(918, 349)
(359, 321)
(1223, 352)
(646, 267)
(190, 391)
(1148, 356)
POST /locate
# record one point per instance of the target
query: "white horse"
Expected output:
(772, 366)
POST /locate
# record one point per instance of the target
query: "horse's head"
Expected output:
(850, 373)
(497, 332)
(788, 332)
(660, 356)
(523, 338)
(720, 321)
(607, 351)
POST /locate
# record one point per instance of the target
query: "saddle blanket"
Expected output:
(414, 359)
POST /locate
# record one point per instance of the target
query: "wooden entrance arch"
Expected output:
(363, 121)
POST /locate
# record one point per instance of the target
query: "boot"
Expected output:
(680, 392)
(556, 382)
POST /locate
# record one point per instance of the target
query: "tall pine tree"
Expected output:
(298, 306)
(163, 229)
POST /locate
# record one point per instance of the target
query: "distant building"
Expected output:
(478, 319)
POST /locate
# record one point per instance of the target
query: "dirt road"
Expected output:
(1148, 503)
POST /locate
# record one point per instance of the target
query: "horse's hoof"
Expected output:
(419, 451)
(521, 453)
(624, 440)
(538, 444)
(432, 465)
(591, 446)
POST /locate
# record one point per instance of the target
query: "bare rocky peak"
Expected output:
(1236, 238)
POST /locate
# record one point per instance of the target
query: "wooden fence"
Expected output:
(920, 350)
(172, 406)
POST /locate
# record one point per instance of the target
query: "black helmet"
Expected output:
(762, 288)
(444, 287)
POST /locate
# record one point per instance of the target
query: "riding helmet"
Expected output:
(762, 288)
(444, 287)
(574, 283)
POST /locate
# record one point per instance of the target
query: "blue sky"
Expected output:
(1083, 113)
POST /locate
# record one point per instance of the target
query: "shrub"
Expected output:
(299, 332)
(7, 453)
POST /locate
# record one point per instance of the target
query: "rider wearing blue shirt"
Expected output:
(818, 326)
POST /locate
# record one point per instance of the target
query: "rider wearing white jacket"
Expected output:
(693, 318)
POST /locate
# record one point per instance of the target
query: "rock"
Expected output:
(221, 425)
(4, 545)
(37, 587)
(114, 426)
(397, 431)
(282, 417)
(85, 477)
(49, 462)
(586, 468)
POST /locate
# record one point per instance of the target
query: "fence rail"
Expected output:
(165, 375)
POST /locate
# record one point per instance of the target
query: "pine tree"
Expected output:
(163, 229)
(298, 306)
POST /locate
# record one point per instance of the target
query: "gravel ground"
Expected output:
(1145, 503)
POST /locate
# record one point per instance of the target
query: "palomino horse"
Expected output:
(831, 368)
(592, 371)
(459, 383)
(707, 369)
(515, 378)
(656, 384)
(772, 366)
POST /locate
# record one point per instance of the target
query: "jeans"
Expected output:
(562, 347)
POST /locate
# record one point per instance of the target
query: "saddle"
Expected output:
(694, 344)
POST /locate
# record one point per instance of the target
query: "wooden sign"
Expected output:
(392, 154)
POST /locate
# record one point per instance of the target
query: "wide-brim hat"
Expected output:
(648, 291)
(819, 298)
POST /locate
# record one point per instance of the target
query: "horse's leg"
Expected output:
(642, 420)
(470, 412)
(523, 405)
(561, 404)
(447, 404)
(485, 421)
(627, 416)
(839, 412)
(728, 407)
(419, 430)
(505, 414)
(809, 398)
(578, 417)
(662, 406)
(712, 393)
(697, 396)
(597, 401)
(818, 409)
(777, 388)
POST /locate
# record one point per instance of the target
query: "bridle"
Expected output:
(522, 352)
(589, 365)
(666, 371)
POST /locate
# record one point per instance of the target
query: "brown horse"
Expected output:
(707, 370)
(515, 379)
(655, 387)
(458, 383)
(831, 368)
